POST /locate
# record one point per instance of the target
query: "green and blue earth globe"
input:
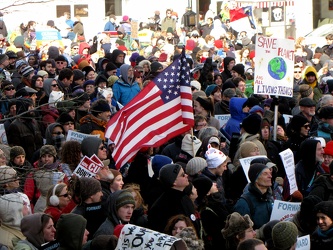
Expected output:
(277, 68)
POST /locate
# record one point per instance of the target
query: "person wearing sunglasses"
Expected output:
(61, 63)
(8, 92)
(307, 108)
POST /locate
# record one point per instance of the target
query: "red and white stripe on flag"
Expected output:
(265, 4)
(161, 111)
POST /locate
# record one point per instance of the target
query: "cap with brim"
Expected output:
(307, 102)
(214, 139)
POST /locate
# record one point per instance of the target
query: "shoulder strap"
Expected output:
(249, 202)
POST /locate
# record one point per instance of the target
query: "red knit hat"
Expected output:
(252, 54)
(218, 44)
(163, 57)
(190, 44)
(328, 150)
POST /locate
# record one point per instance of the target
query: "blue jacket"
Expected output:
(257, 205)
(109, 26)
(237, 115)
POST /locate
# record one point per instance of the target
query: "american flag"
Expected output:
(161, 111)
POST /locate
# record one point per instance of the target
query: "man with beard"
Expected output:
(308, 110)
(24, 130)
(49, 66)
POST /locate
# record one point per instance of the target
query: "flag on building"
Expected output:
(241, 19)
(161, 111)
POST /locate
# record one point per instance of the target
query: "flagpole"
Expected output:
(192, 135)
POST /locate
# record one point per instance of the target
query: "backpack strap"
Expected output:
(249, 203)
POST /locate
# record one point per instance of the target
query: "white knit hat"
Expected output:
(191, 143)
(55, 96)
(214, 157)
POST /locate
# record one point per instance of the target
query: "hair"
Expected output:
(242, 50)
(50, 61)
(199, 118)
(207, 132)
(71, 154)
(329, 37)
(216, 89)
(45, 220)
(324, 100)
(249, 244)
(57, 192)
(65, 73)
(209, 38)
(133, 187)
(174, 219)
(237, 80)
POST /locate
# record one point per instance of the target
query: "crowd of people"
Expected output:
(193, 187)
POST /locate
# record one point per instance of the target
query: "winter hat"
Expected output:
(54, 97)
(266, 161)
(169, 173)
(88, 82)
(90, 145)
(205, 103)
(203, 186)
(7, 174)
(125, 197)
(190, 143)
(236, 224)
(239, 68)
(110, 66)
(284, 235)
(20, 63)
(16, 151)
(87, 69)
(154, 66)
(88, 187)
(60, 58)
(22, 105)
(246, 148)
(326, 112)
(82, 63)
(251, 124)
(125, 18)
(228, 85)
(99, 107)
(325, 207)
(104, 242)
(112, 79)
(80, 98)
(189, 236)
(246, 41)
(297, 122)
(214, 157)
(308, 204)
(48, 149)
(305, 90)
(66, 106)
(195, 165)
(26, 71)
(307, 102)
(78, 74)
(3, 57)
(196, 84)
(163, 57)
(265, 232)
(255, 171)
(328, 150)
(256, 109)
(158, 162)
(42, 73)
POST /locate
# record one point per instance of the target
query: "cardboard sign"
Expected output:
(303, 243)
(77, 136)
(246, 162)
(3, 136)
(50, 37)
(284, 211)
(87, 168)
(223, 119)
(135, 237)
(287, 158)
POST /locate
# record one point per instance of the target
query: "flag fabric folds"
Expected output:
(242, 19)
(161, 111)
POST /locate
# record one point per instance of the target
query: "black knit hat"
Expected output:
(296, 123)
(251, 124)
(78, 74)
(110, 66)
(203, 186)
(206, 104)
(169, 173)
(60, 58)
(255, 170)
(325, 207)
(239, 68)
(100, 106)
(64, 117)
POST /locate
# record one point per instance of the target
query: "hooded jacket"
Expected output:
(316, 90)
(90, 124)
(237, 115)
(114, 56)
(34, 234)
(70, 237)
(226, 74)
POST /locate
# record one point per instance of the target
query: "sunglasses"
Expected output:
(9, 88)
(69, 123)
(64, 195)
(54, 85)
(102, 147)
(60, 62)
(306, 126)
(57, 133)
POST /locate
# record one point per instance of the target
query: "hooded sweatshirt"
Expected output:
(317, 93)
(237, 115)
(90, 145)
(70, 237)
(226, 74)
(114, 56)
(33, 233)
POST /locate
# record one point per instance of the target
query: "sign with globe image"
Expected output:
(277, 68)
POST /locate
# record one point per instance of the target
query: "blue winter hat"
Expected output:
(158, 162)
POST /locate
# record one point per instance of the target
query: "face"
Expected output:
(91, 75)
(19, 160)
(68, 126)
(9, 90)
(39, 82)
(249, 234)
(181, 180)
(241, 86)
(125, 212)
(329, 121)
(57, 131)
(311, 79)
(105, 116)
(194, 194)
(198, 109)
(12, 110)
(218, 81)
(327, 159)
(120, 58)
(85, 237)
(97, 197)
(54, 86)
(68, 82)
(324, 222)
(234, 73)
(90, 89)
(246, 53)
(220, 169)
(231, 65)
(319, 152)
(265, 133)
(104, 174)
(64, 198)
(117, 183)
(179, 226)
(217, 96)
(61, 65)
(102, 152)
(146, 68)
(260, 247)
(305, 130)
(200, 125)
(49, 68)
(47, 159)
(265, 178)
(49, 231)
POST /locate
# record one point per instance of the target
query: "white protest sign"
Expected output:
(76, 136)
(223, 119)
(3, 135)
(274, 74)
(287, 158)
(87, 168)
(246, 162)
(284, 211)
(135, 237)
(287, 118)
(303, 243)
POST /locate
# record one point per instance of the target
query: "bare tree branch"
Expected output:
(22, 3)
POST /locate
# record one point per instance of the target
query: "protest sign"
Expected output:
(3, 136)
(135, 237)
(50, 37)
(303, 243)
(87, 168)
(245, 162)
(223, 119)
(77, 136)
(287, 158)
(284, 211)
(274, 74)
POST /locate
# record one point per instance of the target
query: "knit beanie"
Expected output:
(305, 90)
(125, 197)
(90, 145)
(158, 162)
(87, 69)
(42, 73)
(190, 143)
(26, 71)
(308, 204)
(99, 107)
(88, 187)
(195, 165)
(169, 173)
(214, 157)
(205, 103)
(83, 63)
(20, 63)
(16, 151)
(236, 224)
(155, 66)
(255, 171)
(88, 82)
(7, 174)
(246, 148)
(78, 74)
(203, 186)
(112, 79)
(239, 68)
(110, 66)
(325, 207)
(48, 149)
(284, 235)
(297, 122)
(265, 233)
(251, 124)
(64, 117)
(66, 106)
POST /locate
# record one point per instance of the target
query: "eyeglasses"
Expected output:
(69, 123)
(54, 85)
(57, 133)
(60, 62)
(63, 195)
(75, 48)
(306, 126)
(102, 147)
(9, 88)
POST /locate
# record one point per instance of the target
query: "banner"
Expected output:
(87, 167)
(287, 158)
(274, 74)
(246, 162)
(284, 211)
(77, 136)
(49, 37)
(223, 119)
(135, 237)
(303, 243)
